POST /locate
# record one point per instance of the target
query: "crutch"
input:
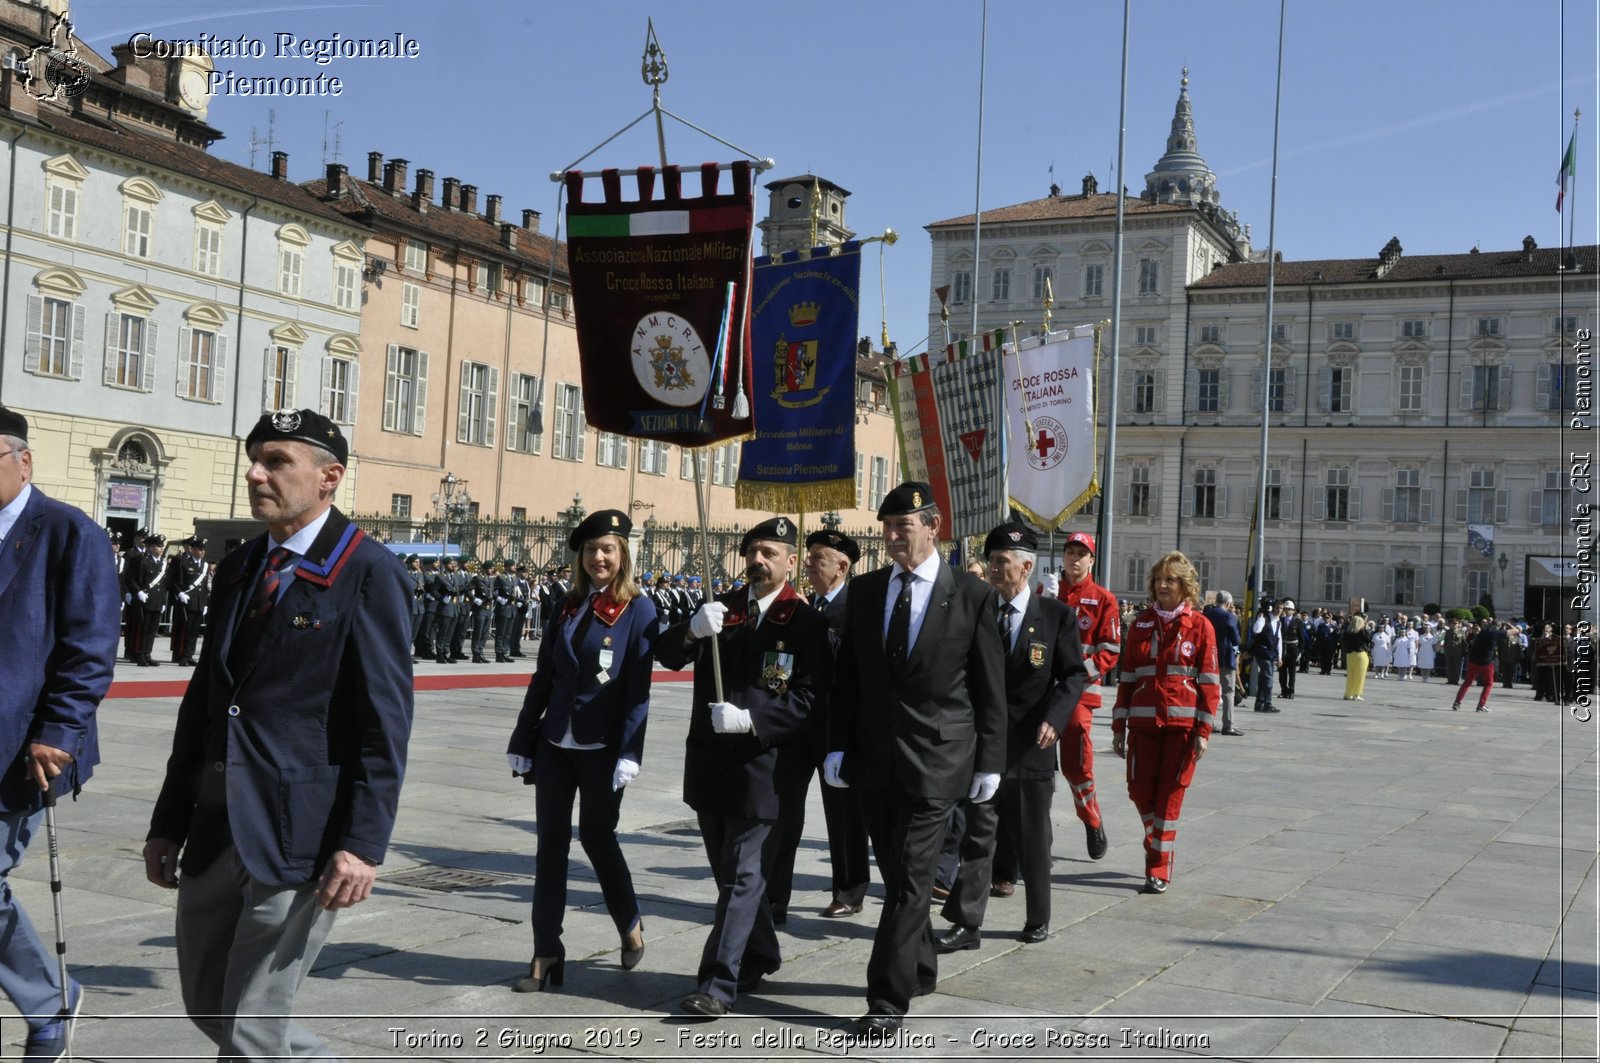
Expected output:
(55, 897)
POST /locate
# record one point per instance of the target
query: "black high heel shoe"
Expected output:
(632, 956)
(553, 972)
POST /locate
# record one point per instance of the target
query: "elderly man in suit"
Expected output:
(829, 557)
(918, 721)
(776, 667)
(59, 595)
(289, 749)
(1045, 677)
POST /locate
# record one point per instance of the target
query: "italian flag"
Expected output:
(658, 222)
(1569, 169)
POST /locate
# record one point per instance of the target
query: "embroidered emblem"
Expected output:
(615, 521)
(916, 499)
(776, 668)
(1187, 648)
(1084, 622)
(1016, 537)
(1036, 654)
(782, 526)
(286, 420)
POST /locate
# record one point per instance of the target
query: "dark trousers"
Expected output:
(969, 896)
(1291, 665)
(906, 834)
(847, 843)
(186, 626)
(149, 623)
(742, 937)
(417, 616)
(517, 624)
(445, 635)
(948, 865)
(1024, 839)
(560, 775)
(784, 840)
(504, 625)
(482, 621)
(424, 639)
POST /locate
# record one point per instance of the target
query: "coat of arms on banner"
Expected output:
(669, 359)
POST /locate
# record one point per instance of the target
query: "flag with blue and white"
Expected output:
(1480, 537)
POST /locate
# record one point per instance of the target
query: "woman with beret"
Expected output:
(581, 735)
(1168, 687)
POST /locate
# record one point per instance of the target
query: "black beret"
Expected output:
(603, 522)
(909, 497)
(522, 568)
(838, 540)
(13, 423)
(776, 530)
(306, 426)
(1010, 536)
(430, 560)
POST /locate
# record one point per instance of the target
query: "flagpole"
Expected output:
(1266, 368)
(977, 195)
(1108, 476)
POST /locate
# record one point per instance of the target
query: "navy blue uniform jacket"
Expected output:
(310, 736)
(1045, 676)
(62, 607)
(566, 685)
(779, 673)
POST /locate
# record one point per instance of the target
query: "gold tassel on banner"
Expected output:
(795, 498)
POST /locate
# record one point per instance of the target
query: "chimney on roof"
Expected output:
(14, 95)
(1090, 185)
(336, 178)
(1388, 256)
(452, 194)
(491, 210)
(508, 233)
(469, 199)
(374, 167)
(280, 165)
(530, 220)
(394, 176)
(422, 197)
(1529, 246)
(1316, 274)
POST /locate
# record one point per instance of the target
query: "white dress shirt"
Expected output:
(1020, 604)
(921, 590)
(13, 510)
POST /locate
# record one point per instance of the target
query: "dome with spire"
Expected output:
(1182, 176)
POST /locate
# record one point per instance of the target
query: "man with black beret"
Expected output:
(776, 666)
(289, 749)
(58, 594)
(829, 557)
(1045, 676)
(918, 722)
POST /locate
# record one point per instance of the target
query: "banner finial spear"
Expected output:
(653, 67)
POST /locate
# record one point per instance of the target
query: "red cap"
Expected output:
(1083, 539)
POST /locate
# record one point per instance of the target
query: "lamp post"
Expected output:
(831, 520)
(453, 502)
(575, 512)
(1503, 562)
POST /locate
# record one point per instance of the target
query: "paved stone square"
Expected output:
(1355, 880)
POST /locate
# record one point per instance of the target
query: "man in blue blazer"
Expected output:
(60, 598)
(289, 749)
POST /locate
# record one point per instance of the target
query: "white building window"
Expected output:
(686, 463)
(861, 479)
(480, 397)
(1276, 507)
(1136, 578)
(1344, 330)
(533, 291)
(1549, 506)
(961, 286)
(1144, 391)
(611, 450)
(416, 257)
(1407, 501)
(1340, 386)
(1208, 390)
(410, 304)
(1206, 494)
(55, 337)
(405, 390)
(1043, 282)
(519, 421)
(1487, 387)
(561, 302)
(880, 482)
(130, 351)
(1409, 378)
(1210, 333)
(345, 284)
(1280, 332)
(1405, 585)
(1145, 335)
(1336, 495)
(1333, 582)
(137, 222)
(201, 364)
(1565, 325)
(1414, 329)
(341, 378)
(1487, 326)
(62, 209)
(1149, 276)
(291, 270)
(1481, 503)
(278, 384)
(1000, 285)
(208, 249)
(653, 457)
(1139, 491)
(1094, 280)
(570, 426)
(725, 465)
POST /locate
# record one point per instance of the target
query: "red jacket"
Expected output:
(1100, 631)
(1167, 675)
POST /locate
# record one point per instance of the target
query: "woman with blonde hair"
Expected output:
(580, 736)
(1168, 687)
(1357, 656)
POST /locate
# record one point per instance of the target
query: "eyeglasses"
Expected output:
(13, 450)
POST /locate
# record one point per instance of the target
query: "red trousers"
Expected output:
(1077, 763)
(1160, 765)
(1476, 672)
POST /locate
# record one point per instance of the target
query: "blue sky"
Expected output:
(1441, 122)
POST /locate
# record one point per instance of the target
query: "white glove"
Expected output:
(830, 770)
(520, 765)
(1050, 585)
(477, 601)
(143, 597)
(730, 719)
(127, 599)
(182, 597)
(501, 601)
(707, 620)
(984, 785)
(627, 771)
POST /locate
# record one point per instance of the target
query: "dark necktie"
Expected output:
(1006, 612)
(898, 642)
(262, 601)
(585, 618)
(754, 619)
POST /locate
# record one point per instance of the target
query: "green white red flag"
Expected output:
(1569, 169)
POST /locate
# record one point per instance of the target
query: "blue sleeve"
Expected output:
(636, 674)
(83, 650)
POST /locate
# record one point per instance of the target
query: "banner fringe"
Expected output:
(795, 498)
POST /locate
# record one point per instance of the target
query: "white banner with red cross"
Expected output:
(1049, 399)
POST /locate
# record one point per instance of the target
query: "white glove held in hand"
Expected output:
(627, 771)
(143, 597)
(707, 620)
(520, 765)
(1050, 585)
(830, 770)
(984, 785)
(183, 597)
(729, 719)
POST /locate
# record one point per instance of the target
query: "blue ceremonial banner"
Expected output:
(803, 351)
(1480, 538)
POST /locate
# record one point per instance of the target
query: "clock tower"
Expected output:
(189, 83)
(792, 204)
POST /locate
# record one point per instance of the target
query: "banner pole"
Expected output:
(705, 550)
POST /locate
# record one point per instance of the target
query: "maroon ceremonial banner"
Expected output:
(662, 296)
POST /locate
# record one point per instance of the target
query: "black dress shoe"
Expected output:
(1154, 885)
(1095, 839)
(958, 939)
(839, 910)
(1034, 933)
(1233, 732)
(875, 1027)
(703, 1004)
(1270, 708)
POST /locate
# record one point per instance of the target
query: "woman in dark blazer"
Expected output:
(581, 734)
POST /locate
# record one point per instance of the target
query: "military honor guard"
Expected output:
(776, 666)
(144, 580)
(480, 595)
(1045, 679)
(918, 721)
(526, 603)
(447, 626)
(419, 604)
(188, 588)
(503, 588)
(289, 750)
(432, 595)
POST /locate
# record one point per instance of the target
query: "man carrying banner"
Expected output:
(1100, 630)
(918, 721)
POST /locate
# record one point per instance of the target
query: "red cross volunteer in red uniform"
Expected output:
(1168, 686)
